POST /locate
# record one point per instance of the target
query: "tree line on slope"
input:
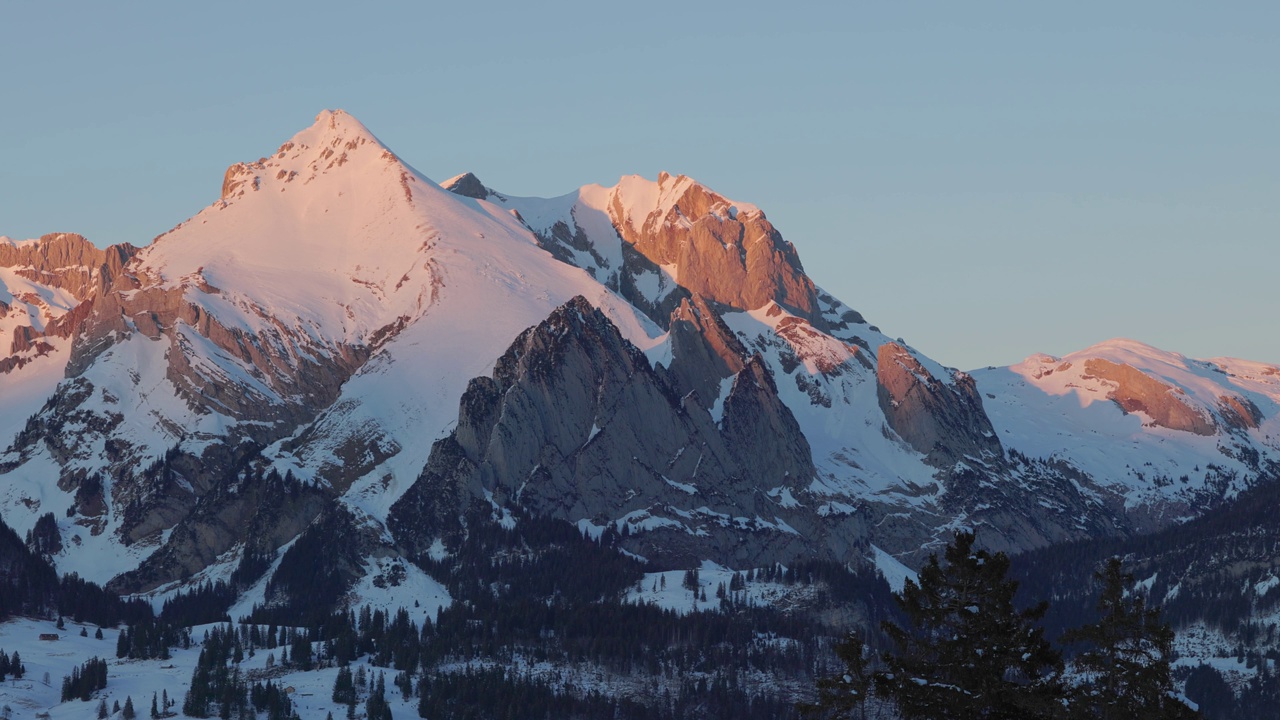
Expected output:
(30, 586)
(1217, 573)
(542, 592)
(966, 651)
(1202, 557)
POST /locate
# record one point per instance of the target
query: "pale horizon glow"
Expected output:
(987, 181)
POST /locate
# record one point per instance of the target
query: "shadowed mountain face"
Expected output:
(338, 331)
(576, 424)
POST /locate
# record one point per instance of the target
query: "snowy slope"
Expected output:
(24, 390)
(1056, 408)
(138, 679)
(830, 386)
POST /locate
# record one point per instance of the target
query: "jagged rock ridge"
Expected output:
(47, 288)
(576, 424)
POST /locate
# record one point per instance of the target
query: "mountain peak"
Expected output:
(334, 139)
(1124, 345)
(334, 126)
(467, 185)
(640, 199)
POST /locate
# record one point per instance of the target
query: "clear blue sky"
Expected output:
(985, 180)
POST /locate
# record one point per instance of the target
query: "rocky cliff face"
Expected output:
(575, 424)
(659, 243)
(1137, 392)
(729, 255)
(276, 375)
(67, 261)
(251, 512)
(49, 291)
(943, 421)
(705, 352)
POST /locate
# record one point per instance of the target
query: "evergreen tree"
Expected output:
(376, 707)
(344, 689)
(102, 709)
(85, 680)
(1125, 663)
(846, 694)
(404, 681)
(1207, 688)
(691, 579)
(44, 539)
(128, 713)
(302, 656)
(968, 653)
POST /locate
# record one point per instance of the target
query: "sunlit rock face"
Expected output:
(729, 255)
(944, 421)
(67, 261)
(1137, 392)
(704, 351)
(657, 243)
(48, 288)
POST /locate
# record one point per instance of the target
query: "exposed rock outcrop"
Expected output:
(576, 425)
(57, 262)
(259, 512)
(467, 185)
(704, 351)
(1239, 413)
(732, 257)
(1138, 392)
(67, 261)
(944, 421)
(299, 375)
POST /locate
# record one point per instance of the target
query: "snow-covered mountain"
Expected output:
(649, 357)
(1165, 433)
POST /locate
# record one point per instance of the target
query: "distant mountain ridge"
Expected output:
(649, 357)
